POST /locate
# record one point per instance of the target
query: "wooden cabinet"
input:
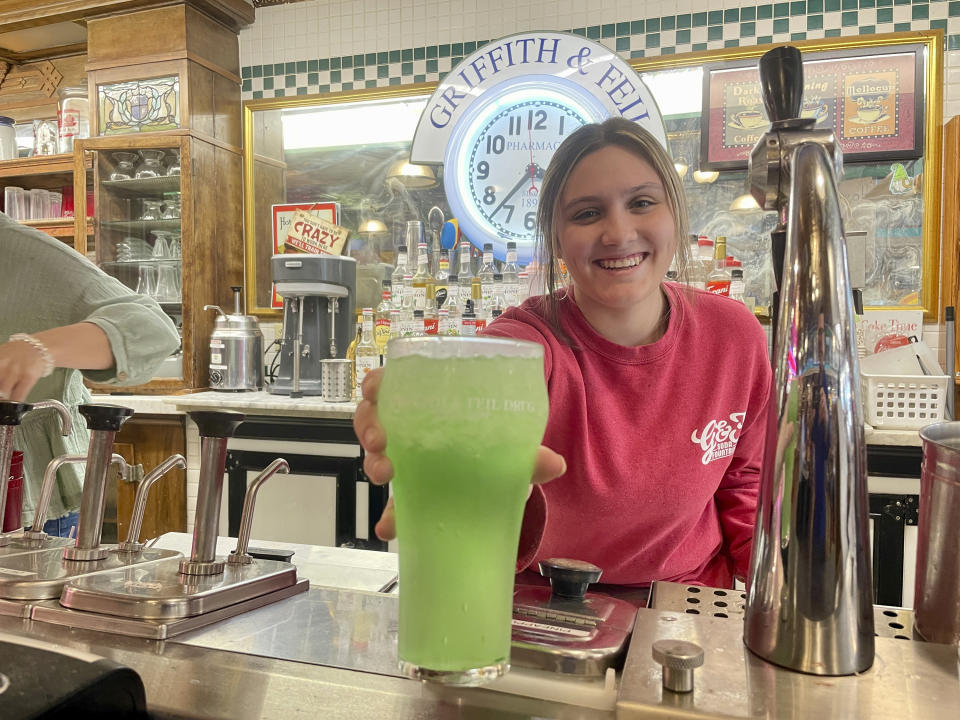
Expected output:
(49, 172)
(146, 442)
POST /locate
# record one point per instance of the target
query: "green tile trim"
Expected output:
(636, 38)
(257, 94)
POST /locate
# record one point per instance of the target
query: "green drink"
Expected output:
(464, 418)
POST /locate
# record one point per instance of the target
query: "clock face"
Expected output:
(500, 163)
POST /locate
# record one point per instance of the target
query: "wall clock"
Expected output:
(499, 115)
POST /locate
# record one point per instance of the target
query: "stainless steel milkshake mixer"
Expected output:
(809, 605)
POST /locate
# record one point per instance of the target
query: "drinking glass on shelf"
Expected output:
(460, 497)
(39, 204)
(173, 245)
(171, 206)
(56, 204)
(15, 203)
(150, 167)
(161, 251)
(125, 164)
(151, 210)
(168, 285)
(173, 162)
(147, 280)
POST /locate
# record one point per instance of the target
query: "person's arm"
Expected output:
(83, 346)
(736, 498)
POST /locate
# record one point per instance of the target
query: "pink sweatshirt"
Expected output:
(663, 443)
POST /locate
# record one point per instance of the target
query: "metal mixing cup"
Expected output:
(937, 595)
(336, 380)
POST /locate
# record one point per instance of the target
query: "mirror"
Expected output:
(350, 149)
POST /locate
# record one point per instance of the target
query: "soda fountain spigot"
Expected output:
(103, 421)
(240, 556)
(132, 543)
(809, 600)
(215, 429)
(11, 414)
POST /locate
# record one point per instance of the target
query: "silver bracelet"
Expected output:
(45, 357)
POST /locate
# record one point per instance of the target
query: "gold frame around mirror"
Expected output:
(933, 141)
(249, 207)
(932, 40)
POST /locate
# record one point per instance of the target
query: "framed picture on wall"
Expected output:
(873, 98)
(282, 216)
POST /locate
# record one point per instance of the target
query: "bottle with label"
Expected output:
(487, 269)
(465, 282)
(466, 263)
(468, 320)
(702, 264)
(73, 117)
(718, 281)
(497, 300)
(441, 279)
(396, 277)
(381, 327)
(476, 295)
(430, 316)
(406, 294)
(367, 355)
(523, 286)
(421, 278)
(351, 354)
(511, 277)
(419, 330)
(737, 286)
(395, 325)
(444, 322)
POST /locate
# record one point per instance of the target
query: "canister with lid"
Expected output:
(8, 139)
(73, 116)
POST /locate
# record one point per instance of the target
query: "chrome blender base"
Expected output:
(20, 545)
(54, 613)
(461, 678)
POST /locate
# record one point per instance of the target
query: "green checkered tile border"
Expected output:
(691, 32)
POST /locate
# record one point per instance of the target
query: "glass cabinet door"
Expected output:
(138, 217)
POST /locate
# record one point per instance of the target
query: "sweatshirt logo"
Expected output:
(719, 438)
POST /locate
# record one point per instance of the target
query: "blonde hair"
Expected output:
(617, 132)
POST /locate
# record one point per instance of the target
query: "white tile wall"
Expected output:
(328, 28)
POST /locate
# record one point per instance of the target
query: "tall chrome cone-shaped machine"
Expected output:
(809, 603)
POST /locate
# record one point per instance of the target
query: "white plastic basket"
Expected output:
(904, 402)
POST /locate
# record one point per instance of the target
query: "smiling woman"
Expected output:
(658, 479)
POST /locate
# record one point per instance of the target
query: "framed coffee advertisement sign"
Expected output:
(871, 97)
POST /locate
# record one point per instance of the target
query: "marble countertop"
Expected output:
(141, 404)
(263, 403)
(328, 566)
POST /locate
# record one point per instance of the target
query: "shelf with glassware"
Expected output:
(37, 192)
(138, 227)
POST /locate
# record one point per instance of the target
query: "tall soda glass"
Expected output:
(463, 417)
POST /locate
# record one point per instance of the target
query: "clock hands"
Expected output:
(533, 184)
(513, 191)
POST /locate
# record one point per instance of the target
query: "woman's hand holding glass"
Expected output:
(378, 468)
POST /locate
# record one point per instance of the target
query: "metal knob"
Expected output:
(569, 578)
(679, 658)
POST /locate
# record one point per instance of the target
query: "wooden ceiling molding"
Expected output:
(22, 14)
